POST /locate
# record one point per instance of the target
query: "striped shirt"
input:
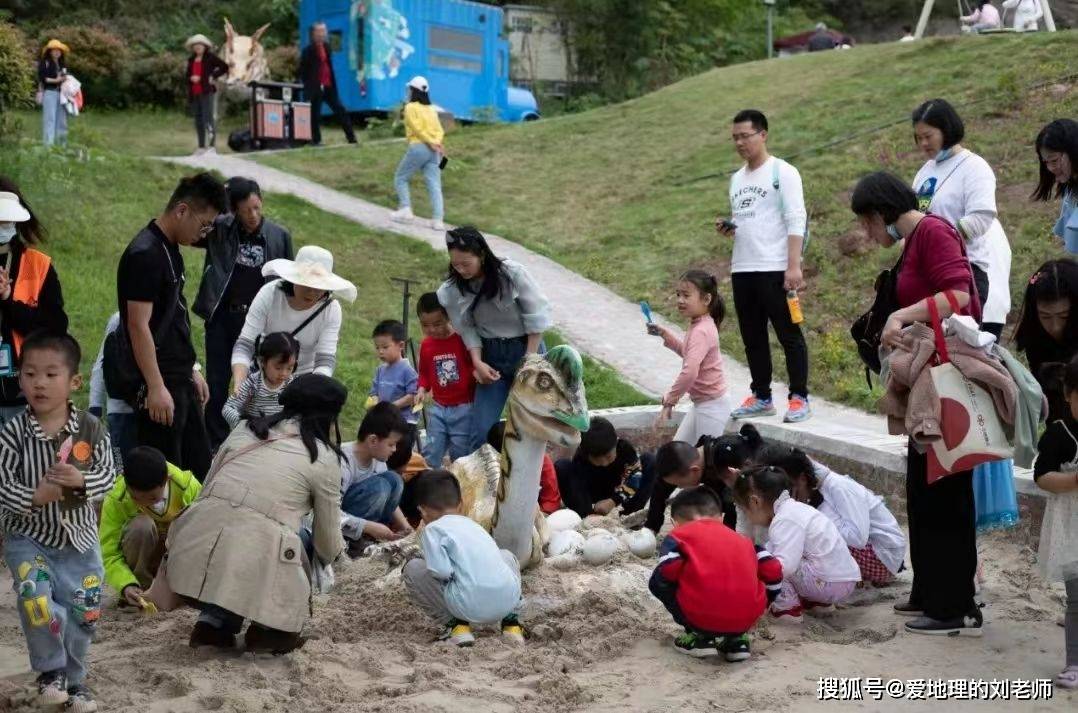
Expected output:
(253, 399)
(26, 453)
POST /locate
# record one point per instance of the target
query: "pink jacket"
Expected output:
(701, 369)
(911, 403)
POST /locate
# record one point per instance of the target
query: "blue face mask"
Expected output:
(892, 230)
(944, 155)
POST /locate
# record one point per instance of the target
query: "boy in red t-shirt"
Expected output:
(715, 582)
(445, 373)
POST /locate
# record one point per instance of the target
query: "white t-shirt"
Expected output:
(765, 220)
(862, 517)
(962, 191)
(800, 534)
(353, 472)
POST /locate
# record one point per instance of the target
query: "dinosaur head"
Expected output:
(244, 55)
(547, 399)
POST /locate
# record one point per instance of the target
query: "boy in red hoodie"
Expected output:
(714, 582)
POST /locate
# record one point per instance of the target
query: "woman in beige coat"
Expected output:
(236, 553)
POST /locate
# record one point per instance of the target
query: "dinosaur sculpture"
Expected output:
(245, 56)
(546, 405)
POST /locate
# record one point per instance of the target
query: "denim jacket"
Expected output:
(222, 247)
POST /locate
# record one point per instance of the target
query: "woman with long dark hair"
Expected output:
(500, 313)
(941, 516)
(30, 294)
(203, 66)
(1048, 328)
(425, 152)
(1057, 156)
(236, 553)
(51, 73)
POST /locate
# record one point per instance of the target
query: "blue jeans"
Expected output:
(420, 157)
(449, 428)
(59, 601)
(123, 431)
(505, 357)
(53, 119)
(374, 499)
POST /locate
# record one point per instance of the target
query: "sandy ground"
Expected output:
(599, 643)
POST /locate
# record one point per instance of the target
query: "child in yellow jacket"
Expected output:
(136, 516)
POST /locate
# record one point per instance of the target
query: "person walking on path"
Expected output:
(941, 516)
(320, 84)
(51, 73)
(1057, 155)
(153, 312)
(237, 249)
(203, 66)
(768, 224)
(30, 294)
(425, 153)
(500, 313)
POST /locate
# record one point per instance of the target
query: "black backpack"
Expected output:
(868, 328)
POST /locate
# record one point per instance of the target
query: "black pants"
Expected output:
(329, 96)
(980, 279)
(943, 539)
(221, 334)
(759, 298)
(184, 443)
(666, 592)
(205, 124)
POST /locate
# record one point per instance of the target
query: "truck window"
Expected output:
(456, 49)
(336, 37)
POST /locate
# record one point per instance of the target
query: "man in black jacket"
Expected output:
(240, 244)
(320, 84)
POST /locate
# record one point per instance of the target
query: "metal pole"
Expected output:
(770, 43)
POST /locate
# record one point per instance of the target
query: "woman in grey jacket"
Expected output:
(501, 315)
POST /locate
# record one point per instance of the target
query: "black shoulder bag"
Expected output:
(867, 329)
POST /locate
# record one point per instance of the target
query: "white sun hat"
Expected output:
(419, 82)
(198, 39)
(11, 210)
(313, 267)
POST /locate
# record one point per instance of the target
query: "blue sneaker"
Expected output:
(753, 407)
(798, 411)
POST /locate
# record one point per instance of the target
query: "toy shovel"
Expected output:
(71, 500)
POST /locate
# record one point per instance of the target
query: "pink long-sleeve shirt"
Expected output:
(701, 374)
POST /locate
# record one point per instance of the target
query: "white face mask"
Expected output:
(7, 232)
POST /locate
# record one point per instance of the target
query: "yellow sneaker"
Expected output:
(458, 633)
(512, 631)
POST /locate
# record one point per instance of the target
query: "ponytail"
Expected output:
(708, 285)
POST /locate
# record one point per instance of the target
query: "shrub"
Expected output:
(283, 63)
(98, 59)
(157, 80)
(16, 77)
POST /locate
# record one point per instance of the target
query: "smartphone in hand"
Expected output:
(728, 225)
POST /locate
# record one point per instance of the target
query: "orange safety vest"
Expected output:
(33, 269)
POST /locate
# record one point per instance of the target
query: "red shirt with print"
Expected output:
(445, 369)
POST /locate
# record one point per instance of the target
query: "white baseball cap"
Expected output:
(419, 82)
(11, 209)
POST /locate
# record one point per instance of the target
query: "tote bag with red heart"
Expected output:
(972, 432)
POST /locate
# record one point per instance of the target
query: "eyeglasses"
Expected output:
(743, 137)
(204, 227)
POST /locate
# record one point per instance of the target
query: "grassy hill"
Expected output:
(610, 194)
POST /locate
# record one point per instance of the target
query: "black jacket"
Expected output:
(24, 319)
(212, 68)
(308, 70)
(221, 247)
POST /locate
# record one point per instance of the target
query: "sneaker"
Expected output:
(794, 615)
(753, 407)
(908, 609)
(52, 688)
(260, 639)
(1068, 678)
(969, 625)
(80, 700)
(512, 631)
(205, 634)
(402, 215)
(735, 648)
(458, 633)
(798, 410)
(437, 225)
(356, 548)
(696, 645)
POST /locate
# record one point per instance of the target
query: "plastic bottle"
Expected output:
(794, 303)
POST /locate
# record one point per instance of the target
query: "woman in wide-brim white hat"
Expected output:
(302, 301)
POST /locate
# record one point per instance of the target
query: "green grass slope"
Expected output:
(609, 193)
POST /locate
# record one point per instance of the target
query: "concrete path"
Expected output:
(599, 322)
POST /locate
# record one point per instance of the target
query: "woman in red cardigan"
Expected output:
(203, 66)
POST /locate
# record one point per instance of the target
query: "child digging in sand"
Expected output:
(462, 576)
(713, 581)
(817, 568)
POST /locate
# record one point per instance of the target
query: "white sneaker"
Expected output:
(437, 225)
(402, 215)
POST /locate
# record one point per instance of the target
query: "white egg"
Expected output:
(599, 549)
(641, 542)
(565, 519)
(564, 541)
(597, 532)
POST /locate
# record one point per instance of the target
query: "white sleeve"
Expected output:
(979, 200)
(793, 200)
(254, 326)
(853, 513)
(786, 540)
(325, 349)
(98, 394)
(437, 558)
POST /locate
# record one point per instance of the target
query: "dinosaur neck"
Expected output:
(518, 492)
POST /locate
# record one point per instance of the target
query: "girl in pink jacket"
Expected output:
(701, 376)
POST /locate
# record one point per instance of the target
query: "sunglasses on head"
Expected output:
(454, 240)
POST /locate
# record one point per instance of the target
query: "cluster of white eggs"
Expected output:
(596, 546)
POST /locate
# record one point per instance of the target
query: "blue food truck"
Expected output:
(378, 45)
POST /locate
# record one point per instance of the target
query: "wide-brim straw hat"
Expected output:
(55, 44)
(11, 209)
(313, 267)
(198, 39)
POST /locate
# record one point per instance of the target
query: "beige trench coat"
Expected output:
(237, 545)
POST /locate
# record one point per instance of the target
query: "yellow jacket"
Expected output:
(119, 509)
(421, 124)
